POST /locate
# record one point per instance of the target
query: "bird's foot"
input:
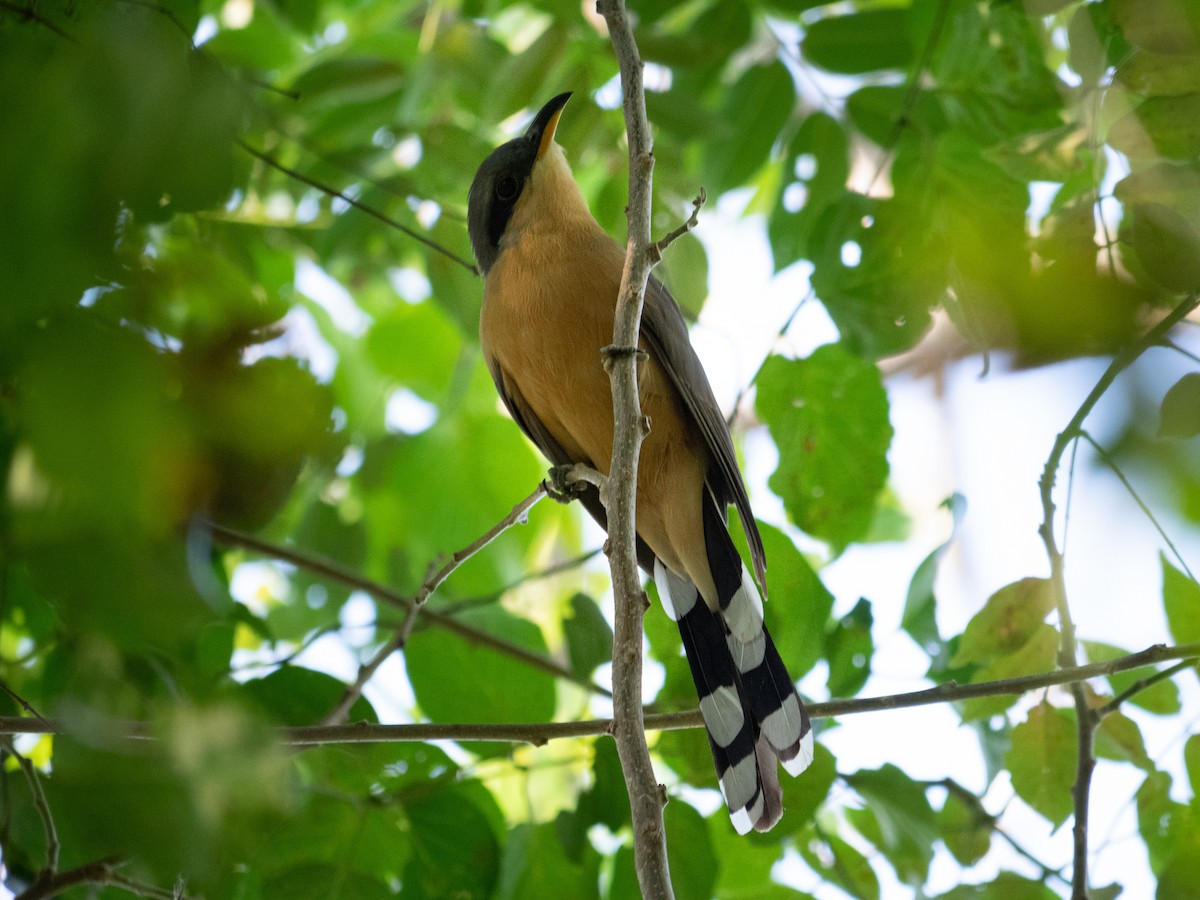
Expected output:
(563, 484)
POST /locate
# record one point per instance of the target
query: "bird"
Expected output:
(551, 278)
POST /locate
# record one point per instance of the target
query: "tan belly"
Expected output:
(546, 337)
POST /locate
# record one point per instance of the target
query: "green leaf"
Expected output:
(624, 884)
(919, 619)
(1160, 74)
(1006, 886)
(607, 800)
(418, 346)
(1191, 759)
(1118, 737)
(828, 415)
(1181, 601)
(754, 112)
(860, 42)
(689, 852)
(293, 695)
(1008, 620)
(1036, 655)
(684, 270)
(849, 649)
(1159, 126)
(1166, 243)
(1042, 761)
(316, 882)
(1161, 698)
(906, 822)
(989, 72)
(588, 636)
(1181, 874)
(301, 13)
(965, 828)
(842, 865)
(1180, 413)
(877, 272)
(803, 796)
(534, 865)
(817, 167)
(1162, 822)
(454, 851)
(747, 864)
(798, 622)
(1164, 26)
(455, 681)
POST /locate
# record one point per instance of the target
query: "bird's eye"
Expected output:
(507, 188)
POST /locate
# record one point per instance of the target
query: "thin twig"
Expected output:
(1143, 684)
(656, 249)
(100, 872)
(971, 799)
(357, 204)
(31, 14)
(367, 670)
(619, 495)
(326, 568)
(913, 89)
(1086, 717)
(549, 571)
(1178, 348)
(783, 329)
(1106, 458)
(24, 704)
(41, 804)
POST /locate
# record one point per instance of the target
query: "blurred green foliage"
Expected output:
(166, 362)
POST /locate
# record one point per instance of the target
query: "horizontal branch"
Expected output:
(538, 733)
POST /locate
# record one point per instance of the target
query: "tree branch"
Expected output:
(362, 207)
(367, 670)
(101, 872)
(539, 733)
(620, 493)
(1086, 717)
(326, 568)
(41, 804)
(30, 13)
(657, 248)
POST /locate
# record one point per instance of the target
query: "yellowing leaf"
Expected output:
(1007, 621)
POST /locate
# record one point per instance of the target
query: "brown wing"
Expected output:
(665, 333)
(553, 451)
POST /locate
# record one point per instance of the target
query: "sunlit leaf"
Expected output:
(1043, 761)
(828, 414)
(1161, 698)
(861, 42)
(1181, 600)
(457, 682)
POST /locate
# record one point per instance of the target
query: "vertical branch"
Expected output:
(1086, 716)
(629, 429)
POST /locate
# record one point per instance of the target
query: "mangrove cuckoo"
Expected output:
(550, 293)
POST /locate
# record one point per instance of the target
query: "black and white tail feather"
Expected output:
(751, 710)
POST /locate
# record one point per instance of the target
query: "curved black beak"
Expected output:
(541, 129)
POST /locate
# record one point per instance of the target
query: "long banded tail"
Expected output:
(752, 712)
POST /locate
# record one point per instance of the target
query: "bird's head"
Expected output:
(503, 179)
